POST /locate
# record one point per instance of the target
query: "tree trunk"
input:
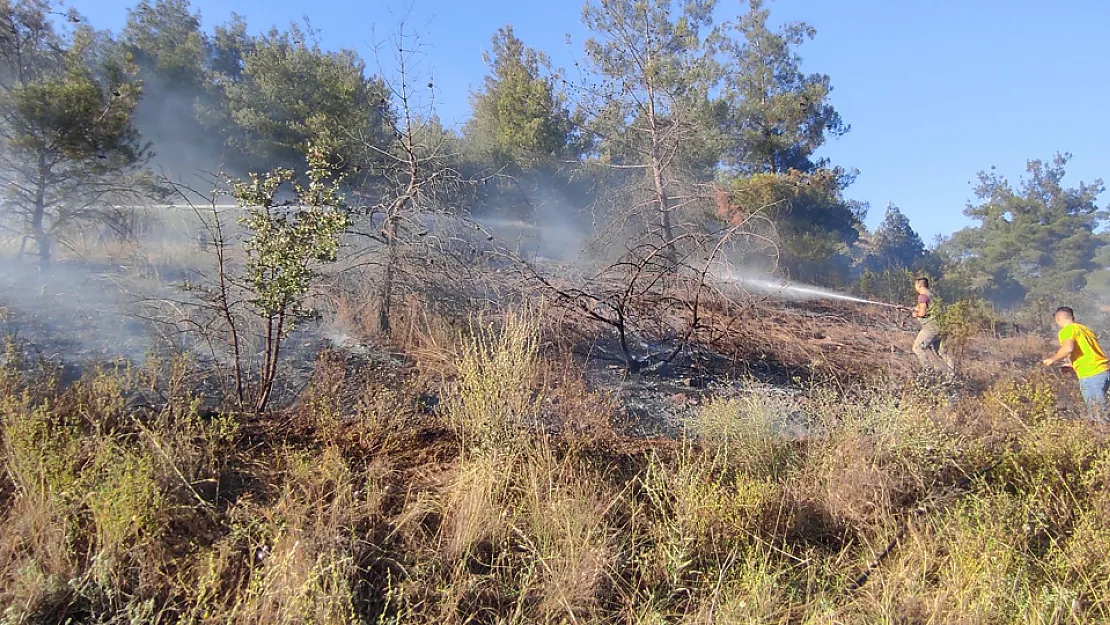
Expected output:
(386, 295)
(274, 337)
(661, 197)
(664, 202)
(38, 229)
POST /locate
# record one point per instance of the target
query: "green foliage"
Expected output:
(778, 116)
(60, 464)
(229, 45)
(166, 40)
(1036, 242)
(125, 498)
(292, 95)
(1032, 401)
(654, 81)
(286, 241)
(673, 43)
(774, 119)
(60, 119)
(962, 321)
(816, 225)
(43, 452)
(892, 285)
(519, 116)
(66, 132)
(653, 72)
(895, 244)
(173, 55)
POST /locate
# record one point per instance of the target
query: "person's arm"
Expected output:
(1066, 348)
(920, 310)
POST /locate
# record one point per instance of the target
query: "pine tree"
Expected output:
(776, 119)
(896, 244)
(293, 94)
(67, 143)
(655, 70)
(519, 116)
(1034, 243)
(778, 116)
(172, 55)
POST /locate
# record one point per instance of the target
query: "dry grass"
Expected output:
(841, 341)
(511, 501)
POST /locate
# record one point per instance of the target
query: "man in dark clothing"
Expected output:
(928, 341)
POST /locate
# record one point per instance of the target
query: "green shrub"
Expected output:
(962, 321)
(124, 497)
(43, 451)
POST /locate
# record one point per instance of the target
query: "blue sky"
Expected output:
(934, 90)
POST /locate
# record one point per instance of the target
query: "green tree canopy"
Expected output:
(1035, 242)
(173, 56)
(654, 69)
(775, 119)
(816, 225)
(778, 116)
(67, 142)
(896, 245)
(165, 38)
(519, 116)
(293, 94)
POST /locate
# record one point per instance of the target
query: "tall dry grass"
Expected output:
(365, 503)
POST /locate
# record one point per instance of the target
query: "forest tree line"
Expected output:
(669, 114)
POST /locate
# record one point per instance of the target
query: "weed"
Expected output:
(498, 388)
(751, 433)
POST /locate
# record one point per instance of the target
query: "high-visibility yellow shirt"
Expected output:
(1087, 358)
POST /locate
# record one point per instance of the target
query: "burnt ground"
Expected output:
(79, 316)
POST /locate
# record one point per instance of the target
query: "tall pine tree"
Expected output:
(654, 68)
(778, 116)
(519, 116)
(896, 244)
(1034, 243)
(67, 143)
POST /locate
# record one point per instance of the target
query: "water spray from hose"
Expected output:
(795, 291)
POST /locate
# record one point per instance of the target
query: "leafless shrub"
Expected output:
(420, 242)
(654, 296)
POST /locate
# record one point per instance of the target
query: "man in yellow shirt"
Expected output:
(1089, 362)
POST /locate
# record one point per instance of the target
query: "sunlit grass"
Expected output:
(380, 511)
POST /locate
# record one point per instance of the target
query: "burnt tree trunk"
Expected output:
(38, 217)
(385, 297)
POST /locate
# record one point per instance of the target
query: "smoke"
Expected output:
(71, 314)
(107, 296)
(182, 147)
(553, 231)
(550, 239)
